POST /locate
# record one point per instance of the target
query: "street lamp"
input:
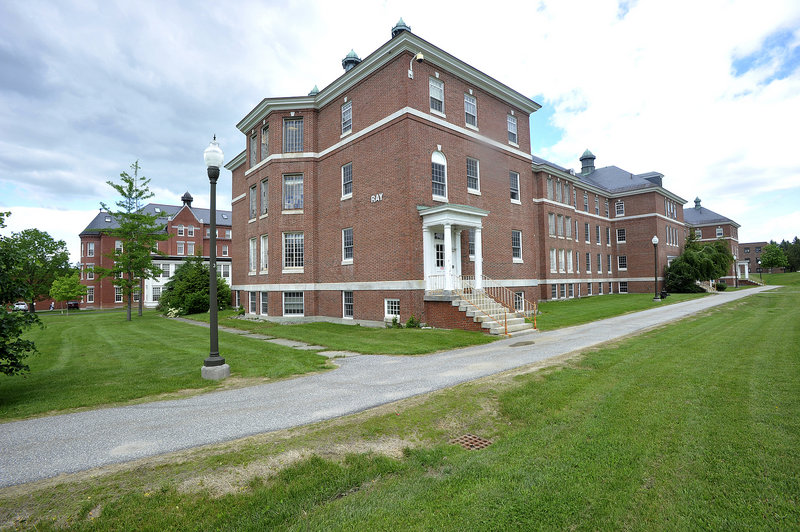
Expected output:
(655, 268)
(735, 272)
(761, 277)
(214, 366)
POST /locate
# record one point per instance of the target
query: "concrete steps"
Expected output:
(495, 318)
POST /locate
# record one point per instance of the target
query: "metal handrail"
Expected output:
(500, 295)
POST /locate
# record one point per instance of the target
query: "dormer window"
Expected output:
(157, 209)
(108, 218)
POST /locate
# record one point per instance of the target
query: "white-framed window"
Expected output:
(347, 245)
(264, 195)
(698, 233)
(227, 231)
(164, 270)
(292, 191)
(600, 289)
(519, 301)
(561, 267)
(90, 272)
(586, 201)
(578, 261)
(563, 287)
(90, 294)
(253, 150)
(180, 248)
(156, 296)
(470, 110)
(571, 287)
(90, 249)
(265, 141)
(608, 264)
(560, 219)
(439, 176)
(569, 261)
(118, 246)
(293, 304)
(606, 208)
(719, 232)
(577, 231)
(551, 223)
(588, 263)
(553, 263)
(347, 180)
(619, 208)
(253, 255)
(293, 250)
(264, 253)
(568, 225)
(253, 202)
(251, 298)
(293, 135)
(596, 205)
(574, 197)
(347, 117)
(347, 304)
(588, 289)
(553, 291)
(597, 234)
(621, 236)
(599, 263)
(391, 308)
(513, 178)
(623, 287)
(608, 236)
(610, 287)
(512, 128)
(190, 248)
(436, 88)
(473, 175)
(622, 262)
(208, 232)
(224, 250)
(264, 304)
(224, 270)
(471, 243)
(180, 230)
(117, 294)
(516, 245)
(190, 230)
(549, 188)
(558, 191)
(238, 298)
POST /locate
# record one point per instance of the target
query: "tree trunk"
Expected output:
(130, 302)
(141, 296)
(32, 308)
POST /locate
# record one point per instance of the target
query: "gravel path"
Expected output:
(45, 447)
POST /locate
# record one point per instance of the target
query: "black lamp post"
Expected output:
(761, 277)
(655, 268)
(735, 272)
(214, 366)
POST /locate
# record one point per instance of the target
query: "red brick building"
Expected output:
(709, 226)
(407, 186)
(189, 230)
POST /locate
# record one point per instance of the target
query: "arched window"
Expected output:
(439, 175)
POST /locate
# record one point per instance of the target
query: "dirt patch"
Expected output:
(235, 479)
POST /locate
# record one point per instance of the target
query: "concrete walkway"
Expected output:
(45, 447)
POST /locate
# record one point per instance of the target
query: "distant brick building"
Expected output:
(750, 252)
(189, 229)
(407, 185)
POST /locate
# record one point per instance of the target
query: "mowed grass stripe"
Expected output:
(93, 359)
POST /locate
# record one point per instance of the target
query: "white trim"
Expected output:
(377, 286)
(372, 127)
(239, 198)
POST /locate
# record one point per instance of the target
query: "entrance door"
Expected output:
(438, 253)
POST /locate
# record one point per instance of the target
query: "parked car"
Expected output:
(21, 305)
(74, 304)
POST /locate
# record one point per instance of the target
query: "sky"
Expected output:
(707, 93)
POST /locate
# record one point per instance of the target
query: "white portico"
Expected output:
(441, 239)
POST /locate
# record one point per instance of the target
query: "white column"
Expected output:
(448, 257)
(478, 259)
(427, 251)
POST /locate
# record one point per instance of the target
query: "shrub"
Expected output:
(188, 288)
(413, 323)
(722, 286)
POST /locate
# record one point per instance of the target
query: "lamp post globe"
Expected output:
(214, 366)
(655, 268)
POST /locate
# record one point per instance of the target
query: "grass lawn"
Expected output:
(557, 314)
(92, 359)
(786, 279)
(367, 340)
(695, 425)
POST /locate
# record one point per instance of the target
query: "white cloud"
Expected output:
(63, 225)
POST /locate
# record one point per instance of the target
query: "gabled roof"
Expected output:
(104, 221)
(699, 215)
(405, 41)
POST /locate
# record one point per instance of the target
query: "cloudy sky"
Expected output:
(705, 92)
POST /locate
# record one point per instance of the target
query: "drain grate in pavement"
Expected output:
(520, 344)
(471, 442)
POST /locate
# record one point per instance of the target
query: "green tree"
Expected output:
(13, 349)
(793, 254)
(139, 233)
(44, 259)
(67, 287)
(188, 289)
(772, 256)
(698, 262)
